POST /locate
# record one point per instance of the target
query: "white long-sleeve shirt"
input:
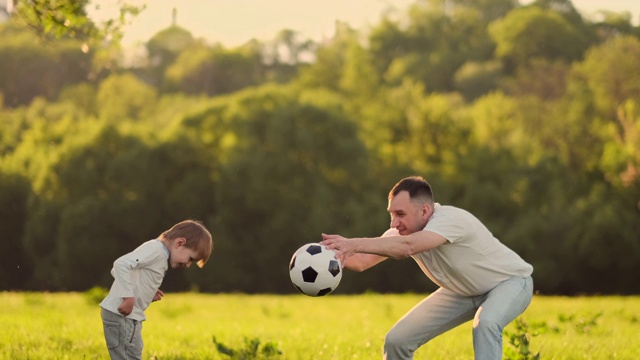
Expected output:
(137, 274)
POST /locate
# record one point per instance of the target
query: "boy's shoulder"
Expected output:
(151, 246)
(153, 243)
(151, 251)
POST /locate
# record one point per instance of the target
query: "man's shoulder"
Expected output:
(450, 213)
(440, 209)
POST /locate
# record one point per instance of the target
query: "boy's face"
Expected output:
(181, 256)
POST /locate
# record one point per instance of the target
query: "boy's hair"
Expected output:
(197, 236)
(417, 187)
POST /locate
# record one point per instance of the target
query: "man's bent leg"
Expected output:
(441, 311)
(502, 305)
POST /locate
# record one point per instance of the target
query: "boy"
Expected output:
(137, 278)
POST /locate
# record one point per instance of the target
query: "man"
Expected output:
(479, 277)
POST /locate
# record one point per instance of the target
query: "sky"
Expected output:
(234, 22)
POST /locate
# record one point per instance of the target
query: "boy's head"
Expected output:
(197, 237)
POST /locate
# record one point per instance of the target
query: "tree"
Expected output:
(545, 79)
(122, 97)
(214, 71)
(531, 32)
(289, 48)
(359, 79)
(563, 7)
(611, 73)
(285, 55)
(438, 38)
(15, 267)
(69, 19)
(30, 69)
(608, 79)
(104, 194)
(82, 96)
(327, 69)
(614, 24)
(191, 73)
(475, 79)
(286, 173)
(164, 48)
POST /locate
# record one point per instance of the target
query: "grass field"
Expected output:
(182, 326)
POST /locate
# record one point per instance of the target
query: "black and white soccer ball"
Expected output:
(315, 270)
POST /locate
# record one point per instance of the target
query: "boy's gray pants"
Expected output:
(123, 336)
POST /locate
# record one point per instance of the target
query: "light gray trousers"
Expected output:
(123, 336)
(443, 310)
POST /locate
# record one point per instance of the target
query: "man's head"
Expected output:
(410, 205)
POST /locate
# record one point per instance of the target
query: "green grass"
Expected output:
(182, 326)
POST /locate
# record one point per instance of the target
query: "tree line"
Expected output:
(528, 116)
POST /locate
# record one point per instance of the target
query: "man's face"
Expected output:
(407, 216)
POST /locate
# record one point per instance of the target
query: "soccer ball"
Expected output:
(314, 270)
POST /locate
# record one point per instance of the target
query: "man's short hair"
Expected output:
(416, 186)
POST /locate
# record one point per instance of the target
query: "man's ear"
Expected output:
(180, 241)
(426, 210)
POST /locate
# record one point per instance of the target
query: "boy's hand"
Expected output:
(126, 307)
(158, 296)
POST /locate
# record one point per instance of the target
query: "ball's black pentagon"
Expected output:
(324, 292)
(292, 263)
(334, 267)
(309, 275)
(314, 249)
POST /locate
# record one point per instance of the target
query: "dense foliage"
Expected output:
(528, 116)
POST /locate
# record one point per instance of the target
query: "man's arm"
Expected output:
(379, 248)
(361, 262)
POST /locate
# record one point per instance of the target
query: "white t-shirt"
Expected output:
(472, 261)
(138, 274)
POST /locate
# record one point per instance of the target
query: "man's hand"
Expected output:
(126, 307)
(343, 247)
(158, 296)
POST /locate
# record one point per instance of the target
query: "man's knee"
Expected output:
(487, 339)
(486, 325)
(398, 345)
(394, 339)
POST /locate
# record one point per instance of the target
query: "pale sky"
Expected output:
(234, 22)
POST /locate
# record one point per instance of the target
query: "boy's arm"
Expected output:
(121, 272)
(126, 307)
(158, 296)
